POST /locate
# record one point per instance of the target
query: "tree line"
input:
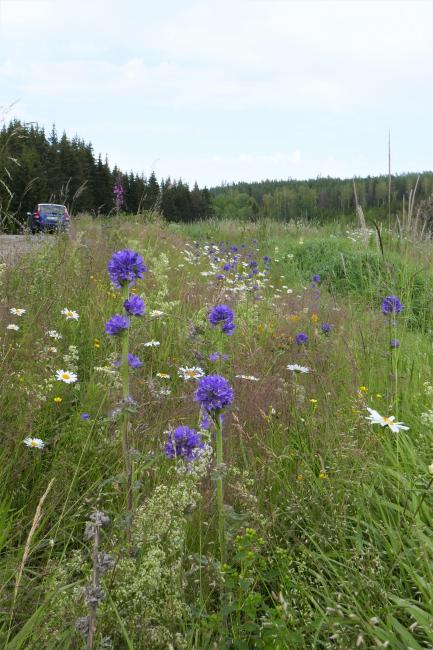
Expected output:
(36, 167)
(317, 199)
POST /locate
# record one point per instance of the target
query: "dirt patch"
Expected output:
(12, 247)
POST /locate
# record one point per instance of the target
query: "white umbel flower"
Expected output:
(35, 443)
(66, 376)
(376, 418)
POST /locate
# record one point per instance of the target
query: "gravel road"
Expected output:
(13, 246)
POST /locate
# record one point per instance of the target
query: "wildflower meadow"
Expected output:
(217, 436)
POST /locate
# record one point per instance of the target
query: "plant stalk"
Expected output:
(125, 421)
(220, 488)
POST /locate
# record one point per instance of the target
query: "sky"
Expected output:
(217, 91)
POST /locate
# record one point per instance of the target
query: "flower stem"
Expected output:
(220, 488)
(95, 586)
(125, 419)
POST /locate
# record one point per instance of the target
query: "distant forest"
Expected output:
(317, 199)
(37, 167)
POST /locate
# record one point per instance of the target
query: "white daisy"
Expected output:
(190, 373)
(152, 344)
(36, 443)
(17, 311)
(294, 367)
(156, 313)
(66, 376)
(70, 314)
(162, 375)
(248, 377)
(53, 334)
(376, 418)
(13, 327)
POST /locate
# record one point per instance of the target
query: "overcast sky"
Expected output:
(222, 91)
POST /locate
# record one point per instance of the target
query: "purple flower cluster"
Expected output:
(183, 443)
(116, 325)
(301, 338)
(118, 194)
(125, 267)
(223, 315)
(326, 328)
(391, 305)
(395, 343)
(135, 306)
(236, 261)
(214, 393)
(214, 356)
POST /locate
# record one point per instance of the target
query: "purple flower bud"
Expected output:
(125, 267)
(391, 305)
(184, 443)
(116, 325)
(135, 306)
(214, 393)
(301, 338)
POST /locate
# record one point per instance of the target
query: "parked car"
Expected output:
(48, 217)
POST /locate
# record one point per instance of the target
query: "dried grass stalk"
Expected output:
(35, 524)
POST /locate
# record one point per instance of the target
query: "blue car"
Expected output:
(48, 217)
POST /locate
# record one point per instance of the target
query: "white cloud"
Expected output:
(177, 80)
(266, 54)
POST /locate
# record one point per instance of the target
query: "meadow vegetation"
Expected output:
(313, 530)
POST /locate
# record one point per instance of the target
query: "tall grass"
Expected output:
(327, 519)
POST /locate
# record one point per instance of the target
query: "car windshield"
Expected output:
(51, 210)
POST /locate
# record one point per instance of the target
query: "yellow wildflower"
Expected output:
(314, 318)
(58, 400)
